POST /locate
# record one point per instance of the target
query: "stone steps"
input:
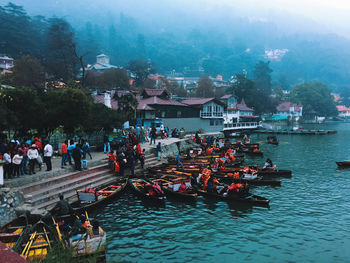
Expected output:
(70, 193)
(44, 193)
(35, 186)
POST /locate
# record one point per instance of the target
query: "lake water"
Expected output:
(308, 219)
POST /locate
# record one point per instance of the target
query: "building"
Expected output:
(209, 114)
(238, 116)
(290, 110)
(161, 93)
(102, 63)
(343, 111)
(6, 63)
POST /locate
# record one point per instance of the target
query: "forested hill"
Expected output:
(192, 48)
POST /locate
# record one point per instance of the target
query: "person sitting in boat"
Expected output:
(188, 156)
(246, 139)
(95, 230)
(157, 190)
(183, 187)
(255, 149)
(62, 207)
(269, 165)
(194, 181)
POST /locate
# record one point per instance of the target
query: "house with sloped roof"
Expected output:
(239, 117)
(343, 111)
(161, 93)
(290, 110)
(102, 63)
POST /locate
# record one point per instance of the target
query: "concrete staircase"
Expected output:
(43, 194)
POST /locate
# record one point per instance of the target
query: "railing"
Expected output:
(241, 125)
(205, 114)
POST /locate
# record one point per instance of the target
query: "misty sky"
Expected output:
(316, 15)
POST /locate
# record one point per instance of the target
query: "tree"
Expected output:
(314, 96)
(279, 93)
(71, 108)
(62, 61)
(262, 78)
(28, 72)
(262, 83)
(243, 88)
(103, 118)
(127, 105)
(26, 107)
(141, 69)
(205, 87)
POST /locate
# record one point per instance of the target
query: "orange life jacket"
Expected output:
(232, 157)
(236, 175)
(116, 167)
(209, 151)
(111, 157)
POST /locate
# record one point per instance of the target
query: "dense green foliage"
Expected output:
(315, 97)
(205, 87)
(257, 93)
(25, 111)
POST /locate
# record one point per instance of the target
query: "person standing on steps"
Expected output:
(33, 155)
(159, 150)
(64, 152)
(142, 158)
(106, 145)
(77, 154)
(48, 152)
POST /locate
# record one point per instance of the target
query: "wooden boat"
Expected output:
(258, 181)
(343, 164)
(35, 244)
(91, 198)
(249, 151)
(139, 188)
(171, 185)
(249, 199)
(12, 233)
(272, 140)
(275, 173)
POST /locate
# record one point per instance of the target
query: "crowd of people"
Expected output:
(28, 155)
(125, 154)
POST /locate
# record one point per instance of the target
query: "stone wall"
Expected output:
(9, 201)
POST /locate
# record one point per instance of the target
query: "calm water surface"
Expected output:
(308, 219)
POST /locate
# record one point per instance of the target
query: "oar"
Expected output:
(87, 217)
(57, 229)
(47, 238)
(30, 242)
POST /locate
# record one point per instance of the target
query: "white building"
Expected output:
(290, 110)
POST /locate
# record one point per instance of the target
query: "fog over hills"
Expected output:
(303, 41)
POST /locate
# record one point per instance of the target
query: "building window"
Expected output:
(211, 122)
(163, 114)
(178, 114)
(208, 108)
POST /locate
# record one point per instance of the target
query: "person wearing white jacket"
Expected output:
(48, 152)
(16, 162)
(33, 155)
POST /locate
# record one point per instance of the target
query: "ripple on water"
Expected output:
(307, 221)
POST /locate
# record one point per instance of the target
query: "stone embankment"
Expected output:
(39, 192)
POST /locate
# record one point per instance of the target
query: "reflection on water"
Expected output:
(308, 218)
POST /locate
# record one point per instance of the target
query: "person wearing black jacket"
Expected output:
(77, 154)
